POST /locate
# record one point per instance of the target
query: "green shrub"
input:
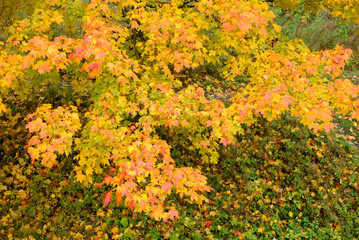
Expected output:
(294, 183)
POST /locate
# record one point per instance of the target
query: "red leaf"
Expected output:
(107, 198)
(131, 204)
(79, 49)
(93, 66)
(208, 223)
(224, 142)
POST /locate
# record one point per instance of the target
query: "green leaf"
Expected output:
(124, 222)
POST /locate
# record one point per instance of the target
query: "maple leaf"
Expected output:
(148, 165)
(34, 153)
(286, 100)
(173, 213)
(43, 133)
(2, 106)
(228, 26)
(8, 81)
(80, 177)
(355, 114)
(79, 50)
(166, 186)
(178, 68)
(34, 141)
(100, 55)
(93, 66)
(175, 123)
(277, 28)
(134, 25)
(224, 142)
(205, 144)
(27, 61)
(131, 204)
(107, 198)
(42, 67)
(119, 198)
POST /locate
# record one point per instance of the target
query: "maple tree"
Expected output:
(144, 65)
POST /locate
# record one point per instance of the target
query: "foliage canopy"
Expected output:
(145, 66)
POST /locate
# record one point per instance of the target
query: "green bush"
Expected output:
(294, 183)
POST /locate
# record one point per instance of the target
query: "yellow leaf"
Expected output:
(2, 106)
(34, 153)
(26, 227)
(79, 236)
(22, 194)
(100, 213)
(80, 177)
(277, 28)
(88, 227)
(114, 230)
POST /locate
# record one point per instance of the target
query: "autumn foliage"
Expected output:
(144, 66)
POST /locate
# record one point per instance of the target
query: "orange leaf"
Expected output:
(27, 61)
(119, 198)
(166, 186)
(107, 198)
(43, 67)
(31, 126)
(178, 67)
(224, 142)
(173, 213)
(286, 100)
(34, 154)
(134, 25)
